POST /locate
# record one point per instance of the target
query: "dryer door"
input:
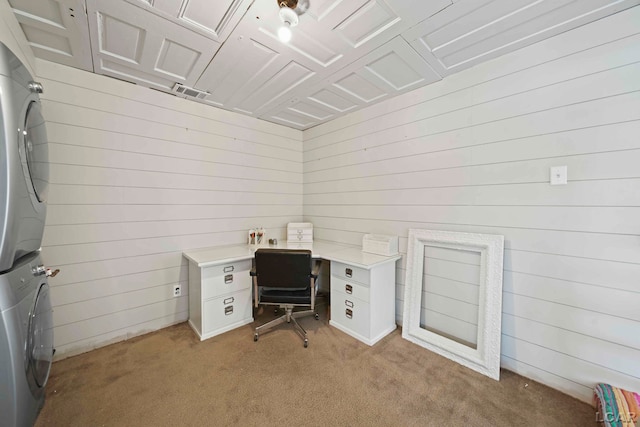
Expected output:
(40, 340)
(36, 153)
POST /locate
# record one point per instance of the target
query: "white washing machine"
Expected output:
(26, 341)
(24, 167)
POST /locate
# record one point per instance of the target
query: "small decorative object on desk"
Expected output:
(257, 236)
(300, 232)
(380, 244)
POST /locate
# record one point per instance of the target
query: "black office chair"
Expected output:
(285, 278)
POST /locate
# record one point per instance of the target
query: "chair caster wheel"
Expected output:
(255, 337)
(306, 343)
(317, 316)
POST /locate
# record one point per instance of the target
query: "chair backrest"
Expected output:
(283, 268)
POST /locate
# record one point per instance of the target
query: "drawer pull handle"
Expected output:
(348, 303)
(228, 301)
(349, 313)
(348, 289)
(348, 272)
(228, 310)
(228, 278)
(228, 269)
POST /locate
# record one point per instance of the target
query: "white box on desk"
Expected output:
(300, 232)
(380, 244)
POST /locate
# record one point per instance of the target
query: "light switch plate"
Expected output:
(558, 175)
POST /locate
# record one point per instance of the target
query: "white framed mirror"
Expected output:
(453, 296)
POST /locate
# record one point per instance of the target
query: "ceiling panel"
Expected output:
(294, 119)
(309, 46)
(354, 85)
(367, 22)
(149, 49)
(531, 23)
(313, 111)
(170, 7)
(316, 46)
(237, 70)
(213, 19)
(254, 64)
(473, 31)
(344, 54)
(332, 12)
(132, 74)
(389, 70)
(332, 101)
(394, 71)
(331, 35)
(397, 67)
(282, 83)
(57, 30)
(53, 42)
(484, 18)
(120, 39)
(176, 60)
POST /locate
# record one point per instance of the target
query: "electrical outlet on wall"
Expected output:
(558, 175)
(177, 290)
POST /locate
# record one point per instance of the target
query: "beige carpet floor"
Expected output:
(170, 378)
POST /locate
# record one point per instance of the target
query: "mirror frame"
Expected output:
(485, 358)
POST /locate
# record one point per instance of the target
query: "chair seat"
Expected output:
(289, 296)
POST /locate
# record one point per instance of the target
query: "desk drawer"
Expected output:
(300, 235)
(350, 288)
(349, 272)
(226, 310)
(213, 286)
(228, 268)
(351, 313)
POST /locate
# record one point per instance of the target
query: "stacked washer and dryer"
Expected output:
(26, 325)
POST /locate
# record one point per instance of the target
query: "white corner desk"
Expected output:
(363, 297)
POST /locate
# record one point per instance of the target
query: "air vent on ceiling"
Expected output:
(189, 91)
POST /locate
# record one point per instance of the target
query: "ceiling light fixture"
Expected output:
(289, 18)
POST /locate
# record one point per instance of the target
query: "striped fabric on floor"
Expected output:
(616, 407)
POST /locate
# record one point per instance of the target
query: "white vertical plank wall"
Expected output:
(138, 176)
(472, 153)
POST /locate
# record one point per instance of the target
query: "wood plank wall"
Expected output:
(472, 153)
(450, 293)
(138, 176)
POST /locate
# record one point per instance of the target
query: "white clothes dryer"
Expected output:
(26, 341)
(24, 167)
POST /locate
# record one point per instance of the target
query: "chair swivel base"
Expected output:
(289, 317)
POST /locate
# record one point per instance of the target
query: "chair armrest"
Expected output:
(316, 269)
(256, 295)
